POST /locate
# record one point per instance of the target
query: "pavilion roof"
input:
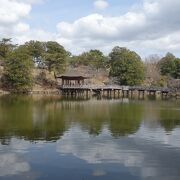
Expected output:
(72, 74)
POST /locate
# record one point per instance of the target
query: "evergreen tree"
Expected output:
(176, 74)
(167, 65)
(126, 66)
(18, 70)
(55, 57)
(5, 48)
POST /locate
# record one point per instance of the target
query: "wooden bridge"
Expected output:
(74, 84)
(113, 91)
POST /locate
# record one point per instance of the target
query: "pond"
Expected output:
(52, 138)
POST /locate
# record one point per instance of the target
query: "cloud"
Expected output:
(101, 4)
(150, 25)
(97, 31)
(35, 34)
(13, 14)
(100, 27)
(12, 11)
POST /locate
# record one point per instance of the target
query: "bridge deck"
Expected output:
(124, 88)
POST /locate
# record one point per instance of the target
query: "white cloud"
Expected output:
(151, 25)
(12, 11)
(21, 28)
(12, 14)
(35, 34)
(101, 4)
(100, 27)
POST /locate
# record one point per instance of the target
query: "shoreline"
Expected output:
(57, 92)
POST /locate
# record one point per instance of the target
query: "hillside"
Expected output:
(45, 80)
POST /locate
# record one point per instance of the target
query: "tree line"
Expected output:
(124, 66)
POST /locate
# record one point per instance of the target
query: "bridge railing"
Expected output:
(93, 87)
(75, 86)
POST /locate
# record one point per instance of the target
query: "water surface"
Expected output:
(51, 138)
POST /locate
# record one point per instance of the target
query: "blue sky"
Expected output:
(145, 26)
(47, 14)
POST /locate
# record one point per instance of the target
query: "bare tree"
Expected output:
(152, 73)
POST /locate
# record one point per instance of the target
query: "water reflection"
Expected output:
(11, 164)
(12, 161)
(146, 157)
(48, 118)
(29, 119)
(51, 138)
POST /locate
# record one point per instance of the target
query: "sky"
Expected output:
(145, 26)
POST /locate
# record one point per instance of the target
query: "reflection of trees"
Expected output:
(121, 118)
(90, 115)
(163, 113)
(47, 119)
(125, 119)
(169, 118)
(30, 119)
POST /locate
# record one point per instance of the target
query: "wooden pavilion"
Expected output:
(72, 79)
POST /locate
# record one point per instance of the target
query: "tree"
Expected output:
(126, 66)
(176, 74)
(55, 57)
(83, 59)
(36, 49)
(167, 65)
(18, 67)
(73, 60)
(152, 72)
(94, 58)
(5, 47)
(97, 59)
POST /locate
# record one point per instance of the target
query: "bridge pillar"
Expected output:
(141, 94)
